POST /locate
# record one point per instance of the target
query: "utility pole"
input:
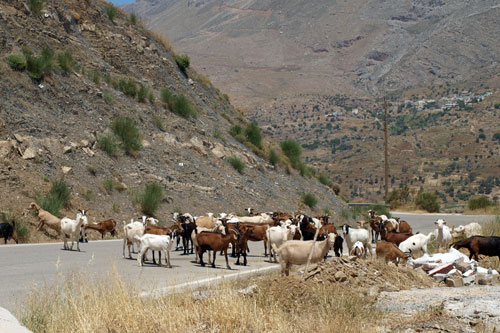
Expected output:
(386, 154)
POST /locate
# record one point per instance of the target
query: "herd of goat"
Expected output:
(293, 238)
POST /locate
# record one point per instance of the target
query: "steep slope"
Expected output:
(281, 48)
(49, 127)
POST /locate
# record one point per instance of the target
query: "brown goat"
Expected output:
(242, 246)
(46, 218)
(393, 237)
(390, 252)
(405, 227)
(258, 233)
(103, 227)
(327, 229)
(215, 242)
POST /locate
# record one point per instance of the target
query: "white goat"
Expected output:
(415, 243)
(295, 252)
(130, 231)
(276, 236)
(71, 229)
(352, 236)
(154, 243)
(471, 229)
(262, 218)
(358, 250)
(442, 234)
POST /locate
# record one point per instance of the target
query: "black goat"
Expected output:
(187, 229)
(7, 231)
(488, 246)
(338, 246)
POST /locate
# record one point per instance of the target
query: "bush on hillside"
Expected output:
(166, 96)
(274, 158)
(236, 130)
(253, 134)
(480, 202)
(133, 18)
(182, 107)
(323, 179)
(126, 130)
(309, 200)
(65, 61)
(16, 61)
(496, 136)
(39, 66)
(428, 201)
(293, 151)
(128, 87)
(150, 198)
(57, 198)
(112, 12)
(107, 143)
(236, 163)
(36, 6)
(142, 94)
(182, 61)
(399, 197)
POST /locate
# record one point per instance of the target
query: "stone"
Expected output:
(219, 151)
(145, 144)
(67, 149)
(88, 151)
(5, 149)
(29, 153)
(85, 143)
(454, 282)
(340, 276)
(468, 280)
(463, 267)
(66, 169)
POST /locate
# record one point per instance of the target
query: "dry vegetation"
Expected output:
(277, 304)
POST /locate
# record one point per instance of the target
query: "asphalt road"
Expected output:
(30, 265)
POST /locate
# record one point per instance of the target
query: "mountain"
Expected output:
(317, 71)
(71, 72)
(258, 50)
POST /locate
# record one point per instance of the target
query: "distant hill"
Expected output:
(301, 67)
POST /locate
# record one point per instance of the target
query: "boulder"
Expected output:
(340, 276)
(29, 153)
(5, 148)
(454, 281)
(66, 169)
(463, 267)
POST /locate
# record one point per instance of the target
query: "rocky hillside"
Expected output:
(258, 50)
(107, 66)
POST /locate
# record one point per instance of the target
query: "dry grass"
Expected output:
(80, 305)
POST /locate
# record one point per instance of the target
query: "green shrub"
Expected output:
(236, 163)
(108, 98)
(236, 130)
(274, 158)
(305, 170)
(496, 136)
(159, 123)
(36, 6)
(399, 197)
(57, 198)
(182, 61)
(480, 202)
(293, 151)
(151, 97)
(20, 230)
(150, 198)
(109, 185)
(323, 179)
(65, 61)
(128, 133)
(142, 94)
(133, 18)
(309, 200)
(427, 201)
(108, 144)
(128, 87)
(112, 12)
(166, 96)
(182, 107)
(253, 135)
(16, 61)
(39, 66)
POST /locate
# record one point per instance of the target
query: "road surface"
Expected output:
(25, 265)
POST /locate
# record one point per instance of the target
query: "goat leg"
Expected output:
(227, 261)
